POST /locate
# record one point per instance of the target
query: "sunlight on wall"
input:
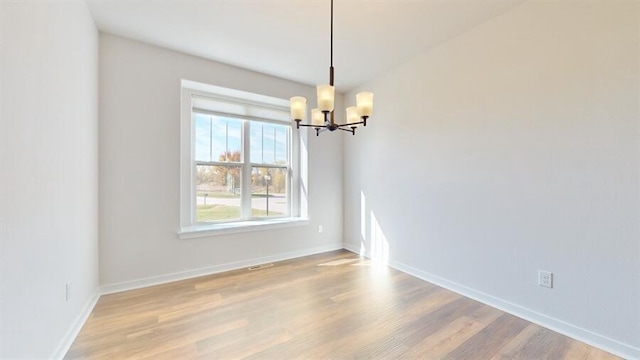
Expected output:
(379, 243)
(363, 223)
(376, 246)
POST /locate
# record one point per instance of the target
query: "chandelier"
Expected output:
(322, 117)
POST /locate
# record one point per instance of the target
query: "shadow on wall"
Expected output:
(376, 245)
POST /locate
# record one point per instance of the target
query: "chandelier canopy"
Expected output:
(322, 117)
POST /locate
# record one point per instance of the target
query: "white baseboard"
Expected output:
(167, 278)
(354, 250)
(613, 346)
(75, 328)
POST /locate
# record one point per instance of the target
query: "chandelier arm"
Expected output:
(353, 130)
(311, 125)
(350, 124)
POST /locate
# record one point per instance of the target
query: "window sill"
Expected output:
(200, 231)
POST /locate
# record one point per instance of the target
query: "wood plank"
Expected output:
(581, 351)
(516, 342)
(491, 339)
(331, 305)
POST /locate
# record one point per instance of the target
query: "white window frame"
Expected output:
(189, 227)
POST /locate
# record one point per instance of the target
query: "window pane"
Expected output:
(218, 193)
(234, 140)
(269, 143)
(255, 134)
(269, 192)
(218, 138)
(203, 137)
(281, 141)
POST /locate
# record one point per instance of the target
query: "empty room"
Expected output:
(320, 179)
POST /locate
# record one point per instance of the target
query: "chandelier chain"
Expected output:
(331, 34)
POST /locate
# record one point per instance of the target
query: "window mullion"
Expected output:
(218, 163)
(245, 198)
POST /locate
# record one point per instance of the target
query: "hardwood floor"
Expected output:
(332, 305)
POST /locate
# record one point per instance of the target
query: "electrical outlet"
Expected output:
(545, 278)
(320, 229)
(67, 294)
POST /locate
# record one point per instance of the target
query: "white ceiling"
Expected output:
(290, 38)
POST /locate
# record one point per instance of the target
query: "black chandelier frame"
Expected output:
(329, 116)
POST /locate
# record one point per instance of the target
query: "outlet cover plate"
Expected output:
(545, 278)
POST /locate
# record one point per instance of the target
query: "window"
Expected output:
(239, 160)
(221, 163)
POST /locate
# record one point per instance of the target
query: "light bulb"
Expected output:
(317, 118)
(352, 115)
(364, 101)
(326, 94)
(298, 107)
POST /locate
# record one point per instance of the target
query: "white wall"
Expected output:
(509, 149)
(140, 164)
(48, 175)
